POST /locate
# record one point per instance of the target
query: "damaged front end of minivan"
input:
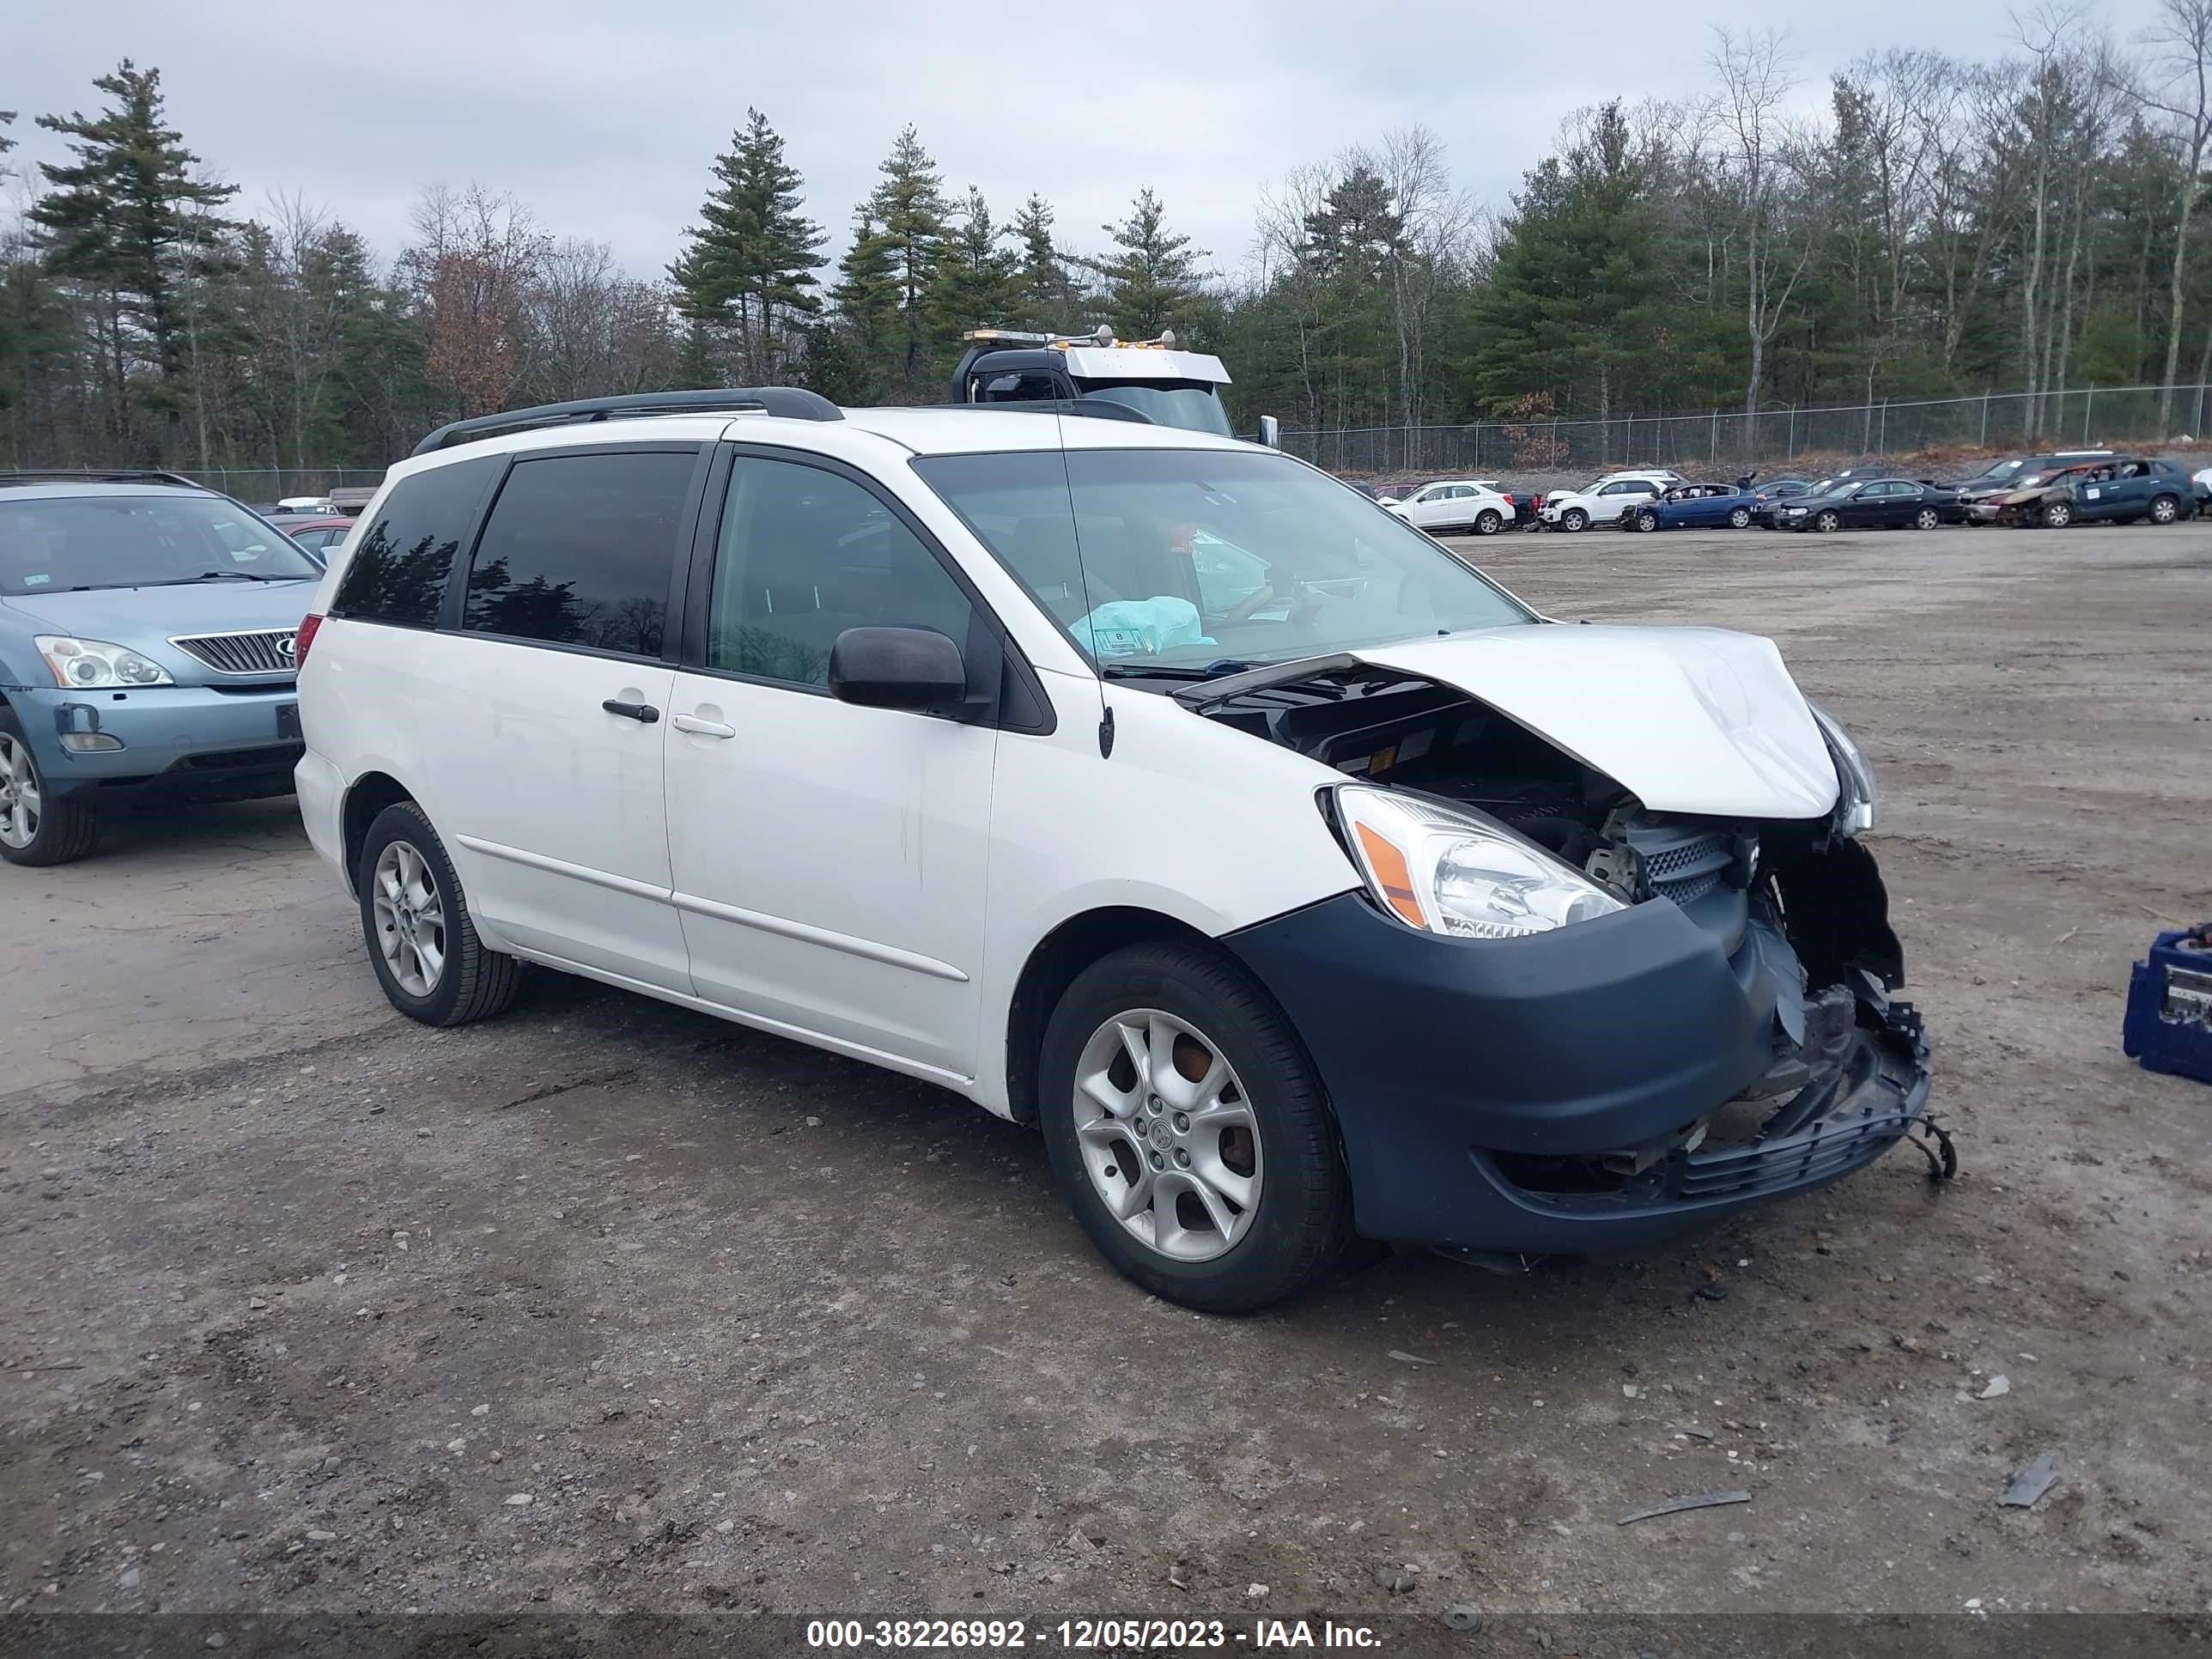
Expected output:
(1560, 1017)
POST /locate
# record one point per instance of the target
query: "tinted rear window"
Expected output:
(398, 573)
(580, 550)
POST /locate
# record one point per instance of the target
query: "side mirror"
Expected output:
(896, 668)
(1271, 432)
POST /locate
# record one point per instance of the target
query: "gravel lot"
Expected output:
(610, 1306)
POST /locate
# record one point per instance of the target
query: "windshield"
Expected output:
(70, 543)
(1194, 408)
(1187, 558)
(1996, 469)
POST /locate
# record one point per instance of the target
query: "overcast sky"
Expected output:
(604, 118)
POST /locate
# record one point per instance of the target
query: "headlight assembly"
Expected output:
(96, 665)
(1454, 873)
(1857, 804)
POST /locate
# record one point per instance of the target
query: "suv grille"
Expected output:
(266, 652)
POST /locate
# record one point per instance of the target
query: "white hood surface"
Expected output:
(1689, 720)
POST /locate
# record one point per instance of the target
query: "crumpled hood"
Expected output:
(132, 615)
(1689, 720)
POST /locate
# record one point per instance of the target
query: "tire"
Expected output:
(1486, 523)
(37, 828)
(1646, 522)
(2165, 509)
(1277, 1146)
(471, 982)
(1927, 519)
(1827, 522)
(1740, 518)
(2057, 515)
(1574, 519)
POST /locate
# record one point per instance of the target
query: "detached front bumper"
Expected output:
(1540, 1096)
(194, 739)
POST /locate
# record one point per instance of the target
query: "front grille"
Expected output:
(267, 651)
(1684, 866)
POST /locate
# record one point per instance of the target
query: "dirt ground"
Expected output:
(607, 1304)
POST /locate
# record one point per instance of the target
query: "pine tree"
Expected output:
(754, 253)
(1151, 282)
(129, 219)
(909, 210)
(978, 284)
(868, 323)
(1045, 297)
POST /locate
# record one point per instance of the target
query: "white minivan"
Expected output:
(1298, 882)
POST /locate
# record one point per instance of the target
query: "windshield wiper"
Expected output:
(242, 575)
(1212, 671)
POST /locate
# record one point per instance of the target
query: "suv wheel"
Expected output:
(1188, 1132)
(2165, 509)
(2057, 515)
(1486, 523)
(1574, 519)
(36, 828)
(421, 941)
(1739, 518)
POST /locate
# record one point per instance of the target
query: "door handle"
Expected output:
(643, 712)
(699, 728)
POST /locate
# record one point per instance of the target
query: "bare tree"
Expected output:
(473, 266)
(2179, 86)
(1755, 77)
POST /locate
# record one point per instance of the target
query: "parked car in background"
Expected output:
(1603, 499)
(1981, 493)
(1574, 898)
(321, 505)
(2117, 491)
(1768, 498)
(1873, 504)
(1468, 505)
(317, 536)
(146, 645)
(1691, 505)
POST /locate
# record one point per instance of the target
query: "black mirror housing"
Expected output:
(896, 668)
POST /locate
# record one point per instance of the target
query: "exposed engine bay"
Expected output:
(1797, 906)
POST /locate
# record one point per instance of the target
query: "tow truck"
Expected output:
(1158, 379)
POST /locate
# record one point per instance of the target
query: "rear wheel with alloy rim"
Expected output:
(2057, 515)
(1926, 518)
(1486, 524)
(37, 828)
(421, 941)
(1828, 521)
(1188, 1132)
(1739, 518)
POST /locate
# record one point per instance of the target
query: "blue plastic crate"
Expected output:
(2169, 1021)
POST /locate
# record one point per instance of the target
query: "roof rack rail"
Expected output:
(791, 402)
(97, 475)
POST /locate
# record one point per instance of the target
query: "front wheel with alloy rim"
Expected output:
(1574, 519)
(1740, 518)
(1188, 1132)
(421, 941)
(37, 828)
(1826, 522)
(2057, 515)
(1647, 521)
(1926, 518)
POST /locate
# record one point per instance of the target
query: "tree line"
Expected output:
(1920, 226)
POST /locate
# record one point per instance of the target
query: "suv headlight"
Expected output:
(1455, 874)
(96, 665)
(1857, 803)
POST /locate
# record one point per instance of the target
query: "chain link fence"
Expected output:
(1726, 441)
(264, 486)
